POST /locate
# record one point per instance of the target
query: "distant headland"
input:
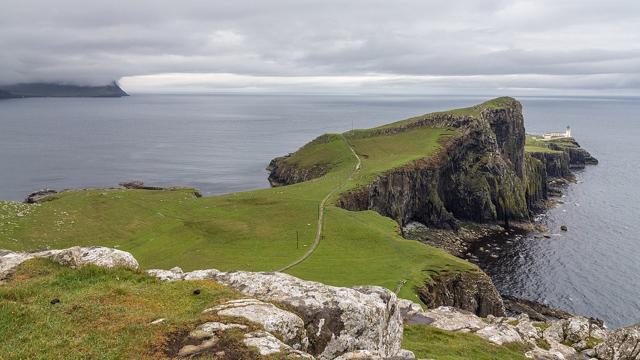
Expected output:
(29, 90)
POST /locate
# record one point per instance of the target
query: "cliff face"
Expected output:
(477, 176)
(471, 291)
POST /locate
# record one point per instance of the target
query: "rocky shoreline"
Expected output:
(482, 186)
(287, 317)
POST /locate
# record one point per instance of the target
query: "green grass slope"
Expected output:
(101, 314)
(254, 230)
(431, 343)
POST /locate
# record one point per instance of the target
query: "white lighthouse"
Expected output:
(567, 133)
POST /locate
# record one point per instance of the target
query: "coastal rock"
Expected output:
(452, 319)
(337, 320)
(273, 319)
(72, 257)
(471, 291)
(39, 196)
(622, 344)
(500, 334)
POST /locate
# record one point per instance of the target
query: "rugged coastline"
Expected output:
(479, 178)
(486, 184)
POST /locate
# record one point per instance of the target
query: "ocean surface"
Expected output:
(222, 143)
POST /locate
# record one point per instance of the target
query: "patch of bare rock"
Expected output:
(290, 318)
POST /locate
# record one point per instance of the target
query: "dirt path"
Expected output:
(316, 241)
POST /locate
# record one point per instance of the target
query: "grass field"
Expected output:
(259, 230)
(537, 144)
(101, 314)
(428, 342)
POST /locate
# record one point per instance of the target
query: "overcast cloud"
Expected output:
(468, 46)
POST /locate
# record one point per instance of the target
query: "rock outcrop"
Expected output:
(471, 291)
(622, 344)
(336, 320)
(72, 257)
(572, 338)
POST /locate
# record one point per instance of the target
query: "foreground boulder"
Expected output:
(73, 257)
(337, 320)
(622, 344)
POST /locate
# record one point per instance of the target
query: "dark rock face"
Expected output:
(535, 311)
(281, 173)
(471, 291)
(39, 196)
(477, 176)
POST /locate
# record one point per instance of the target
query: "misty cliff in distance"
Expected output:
(59, 90)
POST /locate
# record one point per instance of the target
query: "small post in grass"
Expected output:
(297, 240)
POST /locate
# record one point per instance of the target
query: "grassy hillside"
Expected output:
(101, 314)
(428, 342)
(107, 314)
(253, 230)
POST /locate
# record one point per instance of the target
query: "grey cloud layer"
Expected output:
(495, 43)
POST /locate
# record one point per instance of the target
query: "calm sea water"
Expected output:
(223, 143)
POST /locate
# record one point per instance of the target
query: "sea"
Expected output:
(222, 143)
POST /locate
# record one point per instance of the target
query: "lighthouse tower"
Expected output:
(567, 133)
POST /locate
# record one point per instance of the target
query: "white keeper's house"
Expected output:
(555, 135)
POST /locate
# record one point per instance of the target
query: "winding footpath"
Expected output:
(318, 237)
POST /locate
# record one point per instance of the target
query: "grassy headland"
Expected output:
(255, 230)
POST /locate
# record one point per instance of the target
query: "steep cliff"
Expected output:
(477, 176)
(471, 291)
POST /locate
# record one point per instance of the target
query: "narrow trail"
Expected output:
(318, 237)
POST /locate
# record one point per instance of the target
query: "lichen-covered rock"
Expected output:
(500, 334)
(622, 344)
(267, 344)
(337, 320)
(173, 274)
(452, 319)
(72, 257)
(273, 319)
(100, 256)
(210, 329)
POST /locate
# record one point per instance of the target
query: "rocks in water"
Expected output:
(564, 228)
(39, 196)
(535, 310)
(622, 344)
(273, 319)
(72, 257)
(471, 291)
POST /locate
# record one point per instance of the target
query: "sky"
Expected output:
(541, 47)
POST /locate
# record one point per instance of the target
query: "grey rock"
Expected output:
(273, 319)
(622, 344)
